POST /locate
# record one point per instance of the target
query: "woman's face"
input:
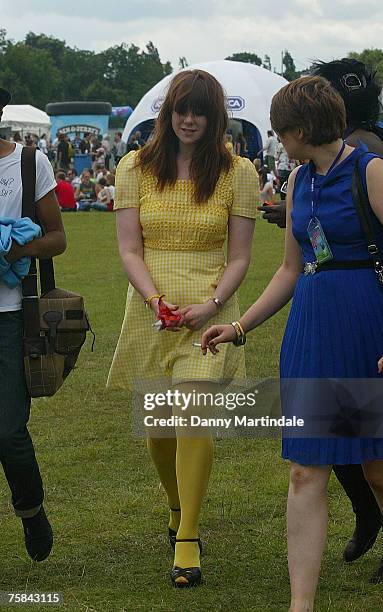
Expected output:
(189, 128)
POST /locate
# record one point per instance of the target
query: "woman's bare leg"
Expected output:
(306, 531)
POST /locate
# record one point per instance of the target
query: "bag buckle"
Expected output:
(373, 249)
(310, 267)
(52, 318)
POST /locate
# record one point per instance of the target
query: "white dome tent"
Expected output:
(249, 90)
(25, 118)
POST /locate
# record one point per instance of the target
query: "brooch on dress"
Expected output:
(310, 267)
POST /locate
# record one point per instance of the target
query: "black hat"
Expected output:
(5, 97)
(358, 87)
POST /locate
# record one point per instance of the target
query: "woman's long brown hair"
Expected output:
(198, 92)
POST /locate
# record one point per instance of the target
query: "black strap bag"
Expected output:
(363, 209)
(55, 323)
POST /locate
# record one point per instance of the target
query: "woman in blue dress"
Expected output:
(335, 327)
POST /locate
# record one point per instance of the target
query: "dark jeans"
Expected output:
(17, 454)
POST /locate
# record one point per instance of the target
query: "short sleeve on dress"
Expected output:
(127, 193)
(245, 189)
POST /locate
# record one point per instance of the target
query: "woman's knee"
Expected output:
(373, 471)
(303, 477)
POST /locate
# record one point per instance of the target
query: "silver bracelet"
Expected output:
(217, 302)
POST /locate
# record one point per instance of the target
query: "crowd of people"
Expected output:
(89, 191)
(272, 164)
(93, 189)
(61, 150)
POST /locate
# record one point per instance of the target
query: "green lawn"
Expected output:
(102, 495)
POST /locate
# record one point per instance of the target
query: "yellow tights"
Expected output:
(184, 465)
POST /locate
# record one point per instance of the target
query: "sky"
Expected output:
(205, 30)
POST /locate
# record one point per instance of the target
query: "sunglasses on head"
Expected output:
(352, 82)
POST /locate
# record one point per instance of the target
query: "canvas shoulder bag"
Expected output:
(55, 322)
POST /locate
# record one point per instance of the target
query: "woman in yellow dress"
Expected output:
(177, 200)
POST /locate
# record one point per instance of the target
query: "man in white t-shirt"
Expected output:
(17, 454)
(270, 150)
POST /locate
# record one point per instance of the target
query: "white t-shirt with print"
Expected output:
(11, 194)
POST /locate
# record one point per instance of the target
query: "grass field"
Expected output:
(102, 495)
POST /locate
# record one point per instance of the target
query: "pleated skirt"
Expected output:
(334, 330)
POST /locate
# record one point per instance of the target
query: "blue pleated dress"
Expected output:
(335, 327)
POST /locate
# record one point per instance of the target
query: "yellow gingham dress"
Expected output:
(183, 250)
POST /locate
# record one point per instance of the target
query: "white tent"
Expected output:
(248, 88)
(25, 118)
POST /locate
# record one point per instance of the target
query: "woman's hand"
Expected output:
(175, 309)
(195, 316)
(380, 365)
(216, 335)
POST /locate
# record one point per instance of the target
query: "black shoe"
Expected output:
(362, 540)
(186, 577)
(38, 536)
(378, 575)
(191, 577)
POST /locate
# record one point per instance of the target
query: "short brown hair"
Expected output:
(312, 104)
(200, 93)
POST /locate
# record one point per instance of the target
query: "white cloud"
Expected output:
(201, 30)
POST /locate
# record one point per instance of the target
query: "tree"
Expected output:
(79, 70)
(44, 69)
(289, 71)
(54, 46)
(129, 72)
(248, 58)
(3, 40)
(30, 74)
(267, 62)
(373, 58)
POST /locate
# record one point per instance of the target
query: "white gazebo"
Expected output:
(248, 88)
(25, 118)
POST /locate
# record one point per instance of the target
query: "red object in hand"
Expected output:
(167, 316)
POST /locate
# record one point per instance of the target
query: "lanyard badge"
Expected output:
(315, 230)
(319, 241)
